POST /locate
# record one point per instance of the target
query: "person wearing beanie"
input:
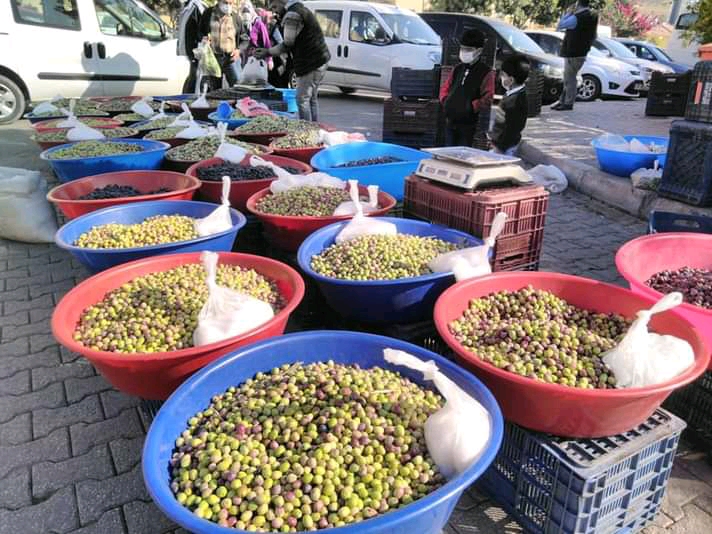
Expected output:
(511, 114)
(468, 91)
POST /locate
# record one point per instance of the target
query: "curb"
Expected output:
(612, 190)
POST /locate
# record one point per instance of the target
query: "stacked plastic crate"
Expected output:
(668, 93)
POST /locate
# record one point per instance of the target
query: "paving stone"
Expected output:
(28, 281)
(40, 342)
(50, 397)
(16, 384)
(84, 437)
(21, 293)
(54, 447)
(87, 410)
(17, 430)
(96, 497)
(16, 319)
(58, 514)
(18, 347)
(694, 521)
(68, 356)
(14, 263)
(41, 314)
(78, 388)
(13, 332)
(15, 489)
(683, 488)
(43, 376)
(146, 518)
(109, 523)
(115, 402)
(54, 288)
(14, 362)
(13, 306)
(18, 273)
(126, 453)
(51, 476)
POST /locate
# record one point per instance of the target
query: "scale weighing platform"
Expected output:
(469, 168)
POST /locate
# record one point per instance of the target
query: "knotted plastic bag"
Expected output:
(254, 72)
(251, 108)
(227, 151)
(202, 101)
(183, 119)
(644, 358)
(458, 432)
(207, 62)
(349, 208)
(226, 313)
(193, 131)
(71, 121)
(143, 108)
(339, 138)
(45, 107)
(219, 220)
(550, 177)
(361, 225)
(473, 261)
(279, 172)
(314, 179)
(82, 132)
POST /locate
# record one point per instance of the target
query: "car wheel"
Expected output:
(590, 89)
(347, 90)
(12, 101)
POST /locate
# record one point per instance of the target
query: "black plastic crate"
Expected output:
(417, 117)
(670, 84)
(413, 140)
(694, 404)
(699, 101)
(415, 83)
(666, 221)
(687, 175)
(665, 105)
(591, 486)
(535, 93)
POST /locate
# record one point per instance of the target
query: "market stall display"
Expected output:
(92, 122)
(263, 129)
(181, 158)
(51, 138)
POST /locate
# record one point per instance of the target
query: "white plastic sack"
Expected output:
(279, 172)
(349, 208)
(226, 313)
(314, 179)
(644, 358)
(255, 72)
(82, 132)
(184, 119)
(143, 108)
(647, 178)
(25, 213)
(361, 225)
(550, 177)
(339, 138)
(45, 107)
(193, 131)
(227, 151)
(473, 261)
(161, 113)
(219, 220)
(613, 142)
(71, 121)
(458, 432)
(201, 102)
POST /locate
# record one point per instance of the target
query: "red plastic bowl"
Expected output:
(645, 256)
(182, 187)
(562, 410)
(240, 191)
(259, 138)
(300, 154)
(288, 232)
(155, 376)
(51, 124)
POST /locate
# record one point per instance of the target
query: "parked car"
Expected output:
(367, 40)
(83, 48)
(614, 49)
(652, 52)
(506, 40)
(601, 75)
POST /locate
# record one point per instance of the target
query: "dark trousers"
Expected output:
(189, 85)
(460, 135)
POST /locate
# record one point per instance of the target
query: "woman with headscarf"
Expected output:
(257, 31)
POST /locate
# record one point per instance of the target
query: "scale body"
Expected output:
(468, 168)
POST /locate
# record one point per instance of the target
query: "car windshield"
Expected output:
(411, 29)
(596, 53)
(662, 52)
(618, 49)
(516, 38)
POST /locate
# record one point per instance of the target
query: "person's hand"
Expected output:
(261, 53)
(235, 55)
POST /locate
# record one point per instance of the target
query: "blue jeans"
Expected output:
(307, 92)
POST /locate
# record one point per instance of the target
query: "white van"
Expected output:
(83, 48)
(367, 40)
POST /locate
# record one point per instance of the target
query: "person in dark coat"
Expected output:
(511, 113)
(468, 92)
(222, 26)
(189, 37)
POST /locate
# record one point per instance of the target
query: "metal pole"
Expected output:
(675, 11)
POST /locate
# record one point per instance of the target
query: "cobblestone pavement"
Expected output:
(70, 445)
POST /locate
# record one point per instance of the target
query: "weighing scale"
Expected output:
(469, 168)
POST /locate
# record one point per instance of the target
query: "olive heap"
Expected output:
(237, 114)
(164, 133)
(205, 148)
(118, 191)
(155, 230)
(307, 447)
(91, 149)
(87, 121)
(264, 124)
(536, 334)
(158, 124)
(158, 312)
(123, 104)
(300, 134)
(81, 107)
(131, 117)
(694, 284)
(381, 160)
(60, 136)
(309, 201)
(380, 257)
(238, 173)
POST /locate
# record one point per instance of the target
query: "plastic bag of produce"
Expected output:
(207, 62)
(361, 225)
(220, 219)
(613, 142)
(71, 121)
(252, 108)
(349, 208)
(184, 119)
(279, 172)
(202, 101)
(45, 107)
(473, 261)
(458, 432)
(226, 313)
(82, 132)
(644, 358)
(254, 72)
(339, 138)
(227, 151)
(550, 177)
(193, 131)
(143, 108)
(647, 178)
(314, 179)
(23, 192)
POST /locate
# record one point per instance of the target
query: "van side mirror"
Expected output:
(686, 21)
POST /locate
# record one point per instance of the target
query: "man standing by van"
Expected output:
(302, 36)
(581, 26)
(222, 26)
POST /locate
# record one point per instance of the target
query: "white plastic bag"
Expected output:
(314, 179)
(143, 108)
(71, 121)
(227, 151)
(339, 138)
(255, 72)
(45, 107)
(82, 132)
(644, 358)
(459, 431)
(349, 208)
(25, 213)
(473, 261)
(161, 113)
(550, 177)
(613, 142)
(226, 313)
(279, 172)
(192, 131)
(220, 219)
(201, 102)
(184, 119)
(647, 178)
(361, 225)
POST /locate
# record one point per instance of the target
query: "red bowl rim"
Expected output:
(193, 169)
(440, 312)
(676, 236)
(252, 203)
(66, 339)
(292, 150)
(195, 185)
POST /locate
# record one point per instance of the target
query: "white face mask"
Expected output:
(469, 56)
(507, 81)
(225, 8)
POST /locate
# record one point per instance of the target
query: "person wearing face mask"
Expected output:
(468, 92)
(511, 113)
(302, 36)
(221, 26)
(258, 34)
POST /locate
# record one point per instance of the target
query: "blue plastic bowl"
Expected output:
(99, 259)
(390, 177)
(70, 169)
(424, 516)
(174, 97)
(382, 301)
(623, 164)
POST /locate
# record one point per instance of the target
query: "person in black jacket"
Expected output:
(511, 114)
(189, 37)
(468, 92)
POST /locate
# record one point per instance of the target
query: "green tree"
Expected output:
(463, 6)
(701, 30)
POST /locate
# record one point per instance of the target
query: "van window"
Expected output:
(330, 22)
(126, 18)
(54, 13)
(365, 28)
